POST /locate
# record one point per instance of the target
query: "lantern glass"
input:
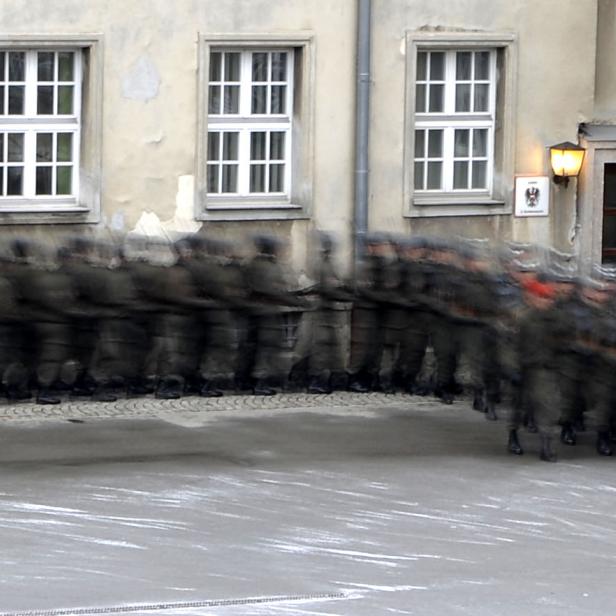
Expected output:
(566, 159)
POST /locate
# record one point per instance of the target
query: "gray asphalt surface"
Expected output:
(402, 506)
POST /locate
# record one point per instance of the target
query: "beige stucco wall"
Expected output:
(150, 100)
(605, 90)
(555, 88)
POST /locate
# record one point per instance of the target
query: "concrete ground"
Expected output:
(347, 505)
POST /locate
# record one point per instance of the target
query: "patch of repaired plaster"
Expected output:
(183, 221)
(142, 81)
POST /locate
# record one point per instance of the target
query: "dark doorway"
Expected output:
(608, 246)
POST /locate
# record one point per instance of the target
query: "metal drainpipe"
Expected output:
(362, 125)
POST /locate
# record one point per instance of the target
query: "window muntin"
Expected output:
(249, 122)
(455, 100)
(40, 94)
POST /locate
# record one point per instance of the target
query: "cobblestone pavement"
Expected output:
(203, 409)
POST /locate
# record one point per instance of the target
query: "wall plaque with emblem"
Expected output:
(532, 196)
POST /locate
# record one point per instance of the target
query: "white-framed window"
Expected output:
(250, 113)
(40, 125)
(454, 121)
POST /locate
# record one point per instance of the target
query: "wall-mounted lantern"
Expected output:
(566, 159)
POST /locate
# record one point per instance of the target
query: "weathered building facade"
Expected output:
(235, 116)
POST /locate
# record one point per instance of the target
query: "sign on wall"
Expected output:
(532, 196)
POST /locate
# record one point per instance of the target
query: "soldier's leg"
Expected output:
(543, 392)
(54, 343)
(218, 363)
(268, 361)
(445, 344)
(601, 396)
(366, 348)
(415, 340)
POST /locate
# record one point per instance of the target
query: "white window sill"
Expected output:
(30, 211)
(251, 208)
(456, 205)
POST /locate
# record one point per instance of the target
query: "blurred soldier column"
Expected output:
(330, 318)
(268, 295)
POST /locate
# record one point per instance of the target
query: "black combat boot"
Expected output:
(513, 445)
(209, 390)
(357, 385)
(479, 403)
(491, 411)
(547, 453)
(419, 389)
(603, 444)
(261, 388)
(104, 393)
(169, 389)
(45, 396)
(567, 434)
(318, 385)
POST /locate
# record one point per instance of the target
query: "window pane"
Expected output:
(214, 100)
(278, 102)
(215, 66)
(420, 143)
(479, 174)
(1, 100)
(435, 143)
(65, 100)
(482, 65)
(277, 140)
(14, 180)
(259, 99)
(279, 66)
(64, 150)
(461, 139)
(43, 180)
(420, 98)
(421, 66)
(44, 147)
(481, 97)
(257, 178)
(1, 181)
(17, 66)
(45, 66)
(213, 142)
(257, 146)
(259, 66)
(480, 142)
(230, 146)
(44, 102)
(437, 66)
(436, 98)
(276, 178)
(16, 100)
(2, 68)
(463, 97)
(232, 66)
(232, 99)
(15, 147)
(434, 175)
(419, 176)
(1, 149)
(463, 65)
(212, 178)
(460, 174)
(64, 180)
(229, 178)
(65, 66)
